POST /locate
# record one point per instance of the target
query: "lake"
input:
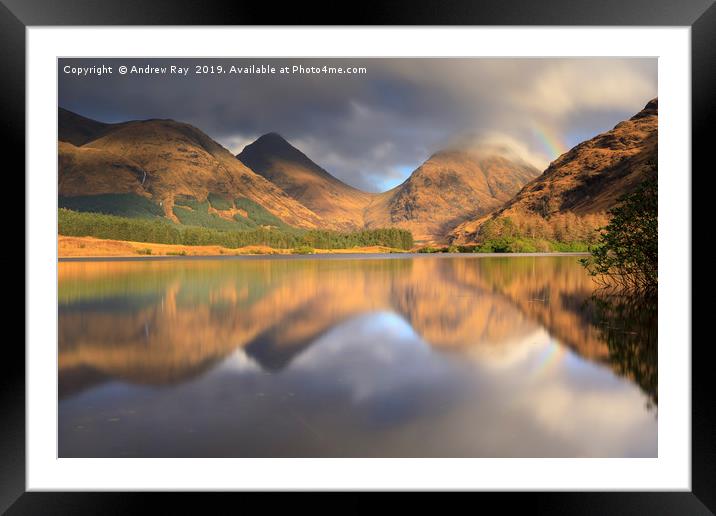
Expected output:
(352, 356)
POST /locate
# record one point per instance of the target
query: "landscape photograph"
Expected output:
(357, 257)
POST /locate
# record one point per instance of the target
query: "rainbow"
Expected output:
(550, 358)
(553, 145)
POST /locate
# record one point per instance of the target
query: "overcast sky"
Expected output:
(371, 130)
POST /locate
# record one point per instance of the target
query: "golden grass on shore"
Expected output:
(90, 247)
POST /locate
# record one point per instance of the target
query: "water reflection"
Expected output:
(629, 325)
(422, 356)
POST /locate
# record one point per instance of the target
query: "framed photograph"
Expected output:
(430, 250)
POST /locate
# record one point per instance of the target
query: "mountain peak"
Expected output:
(272, 142)
(77, 129)
(449, 187)
(651, 109)
(274, 158)
(270, 147)
(272, 137)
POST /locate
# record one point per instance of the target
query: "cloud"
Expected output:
(367, 128)
(505, 145)
(569, 87)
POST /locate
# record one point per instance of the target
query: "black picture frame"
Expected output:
(700, 15)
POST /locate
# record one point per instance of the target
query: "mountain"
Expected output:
(584, 182)
(167, 166)
(448, 188)
(451, 186)
(78, 130)
(274, 158)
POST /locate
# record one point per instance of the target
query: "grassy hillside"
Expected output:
(258, 213)
(158, 230)
(122, 204)
(215, 212)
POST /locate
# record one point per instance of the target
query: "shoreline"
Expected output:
(320, 256)
(78, 249)
(90, 247)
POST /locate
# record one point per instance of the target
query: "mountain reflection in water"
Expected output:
(397, 356)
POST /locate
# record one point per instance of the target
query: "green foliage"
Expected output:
(72, 223)
(190, 217)
(529, 245)
(220, 203)
(448, 249)
(571, 247)
(191, 202)
(259, 227)
(146, 250)
(191, 212)
(495, 245)
(560, 233)
(258, 214)
(245, 223)
(565, 228)
(303, 249)
(498, 228)
(387, 237)
(125, 205)
(522, 245)
(627, 254)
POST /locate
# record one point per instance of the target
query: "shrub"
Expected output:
(429, 249)
(626, 255)
(522, 246)
(145, 250)
(303, 249)
(571, 247)
(497, 245)
(541, 245)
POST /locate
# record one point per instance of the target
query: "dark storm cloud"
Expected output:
(372, 129)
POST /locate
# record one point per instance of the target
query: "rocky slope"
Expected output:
(585, 181)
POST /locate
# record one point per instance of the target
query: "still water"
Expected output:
(373, 356)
